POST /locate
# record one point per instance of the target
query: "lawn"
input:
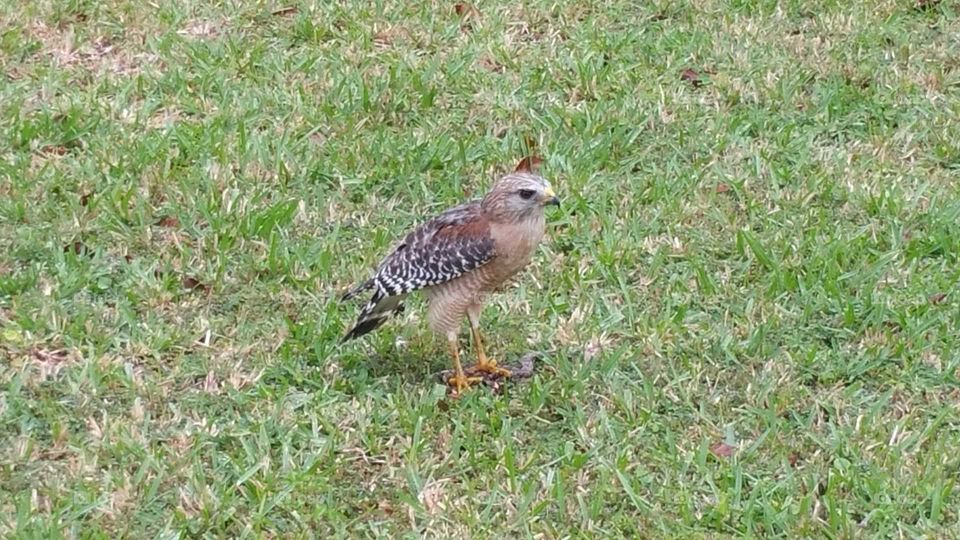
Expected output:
(748, 303)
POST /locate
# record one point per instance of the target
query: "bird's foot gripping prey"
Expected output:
(459, 381)
(484, 364)
(522, 368)
(458, 259)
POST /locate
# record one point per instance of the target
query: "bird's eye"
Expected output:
(526, 193)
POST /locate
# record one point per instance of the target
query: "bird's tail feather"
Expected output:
(368, 284)
(376, 312)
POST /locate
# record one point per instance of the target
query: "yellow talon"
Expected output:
(484, 364)
(461, 382)
(487, 365)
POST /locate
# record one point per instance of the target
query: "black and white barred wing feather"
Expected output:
(448, 246)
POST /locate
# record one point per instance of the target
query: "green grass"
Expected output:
(749, 300)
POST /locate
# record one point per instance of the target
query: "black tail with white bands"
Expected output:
(380, 308)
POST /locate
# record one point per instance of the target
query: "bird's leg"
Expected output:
(484, 364)
(459, 381)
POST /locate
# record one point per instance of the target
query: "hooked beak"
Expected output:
(551, 198)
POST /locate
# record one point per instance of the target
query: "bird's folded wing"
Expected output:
(441, 249)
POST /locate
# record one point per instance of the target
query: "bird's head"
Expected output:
(518, 196)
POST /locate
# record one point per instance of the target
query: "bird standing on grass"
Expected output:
(459, 258)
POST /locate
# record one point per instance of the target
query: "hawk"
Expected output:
(458, 259)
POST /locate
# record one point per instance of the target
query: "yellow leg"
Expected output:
(459, 381)
(484, 364)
